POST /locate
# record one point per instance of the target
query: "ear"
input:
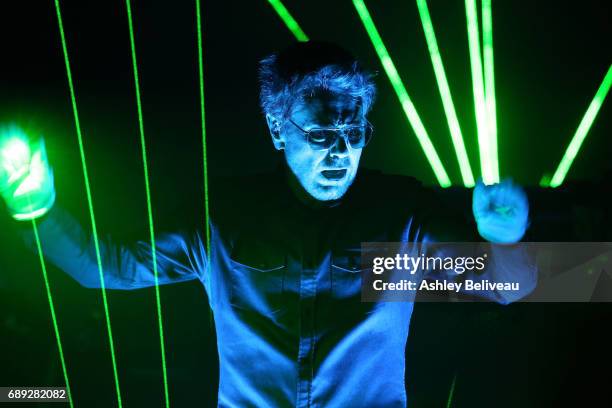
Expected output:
(277, 138)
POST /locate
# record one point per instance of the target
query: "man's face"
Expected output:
(324, 174)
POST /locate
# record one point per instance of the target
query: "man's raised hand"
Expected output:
(501, 211)
(26, 180)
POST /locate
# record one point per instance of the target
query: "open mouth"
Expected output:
(334, 174)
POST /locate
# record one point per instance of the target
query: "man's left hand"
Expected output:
(501, 211)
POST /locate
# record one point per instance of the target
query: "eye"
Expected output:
(320, 136)
(355, 134)
(317, 137)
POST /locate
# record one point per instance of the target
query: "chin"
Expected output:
(328, 193)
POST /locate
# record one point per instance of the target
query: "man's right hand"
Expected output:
(26, 180)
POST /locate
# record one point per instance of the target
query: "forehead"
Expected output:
(325, 108)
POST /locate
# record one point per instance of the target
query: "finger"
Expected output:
(516, 196)
(479, 186)
(505, 193)
(504, 197)
(497, 229)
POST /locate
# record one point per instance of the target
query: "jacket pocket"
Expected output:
(347, 276)
(258, 287)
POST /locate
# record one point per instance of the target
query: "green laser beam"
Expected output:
(288, 19)
(52, 309)
(149, 205)
(451, 392)
(203, 118)
(486, 164)
(489, 84)
(204, 151)
(402, 94)
(89, 198)
(582, 131)
(445, 94)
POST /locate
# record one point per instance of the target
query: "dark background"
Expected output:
(550, 57)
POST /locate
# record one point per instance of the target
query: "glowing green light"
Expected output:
(545, 180)
(52, 309)
(204, 152)
(32, 214)
(16, 157)
(27, 181)
(486, 162)
(489, 85)
(16, 149)
(582, 131)
(35, 179)
(447, 101)
(89, 198)
(288, 19)
(203, 118)
(149, 206)
(451, 392)
(402, 94)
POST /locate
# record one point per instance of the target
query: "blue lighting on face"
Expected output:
(324, 174)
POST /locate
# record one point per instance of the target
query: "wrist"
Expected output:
(32, 207)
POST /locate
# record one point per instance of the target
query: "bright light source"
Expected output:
(288, 19)
(445, 94)
(489, 85)
(582, 131)
(15, 153)
(486, 162)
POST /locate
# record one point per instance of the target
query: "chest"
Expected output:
(282, 266)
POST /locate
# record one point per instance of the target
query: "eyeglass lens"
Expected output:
(325, 138)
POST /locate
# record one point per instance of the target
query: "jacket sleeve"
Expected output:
(180, 256)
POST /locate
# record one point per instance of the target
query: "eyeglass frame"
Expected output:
(337, 131)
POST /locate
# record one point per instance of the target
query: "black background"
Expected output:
(550, 57)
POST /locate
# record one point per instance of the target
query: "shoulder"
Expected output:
(367, 175)
(238, 198)
(381, 189)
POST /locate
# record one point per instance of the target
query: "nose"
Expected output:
(340, 148)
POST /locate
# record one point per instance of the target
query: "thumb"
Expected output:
(480, 198)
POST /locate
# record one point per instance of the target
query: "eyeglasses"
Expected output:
(322, 139)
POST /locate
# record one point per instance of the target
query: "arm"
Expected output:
(180, 256)
(26, 185)
(500, 216)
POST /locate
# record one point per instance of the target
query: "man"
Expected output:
(284, 274)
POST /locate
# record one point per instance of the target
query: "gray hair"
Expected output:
(305, 68)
